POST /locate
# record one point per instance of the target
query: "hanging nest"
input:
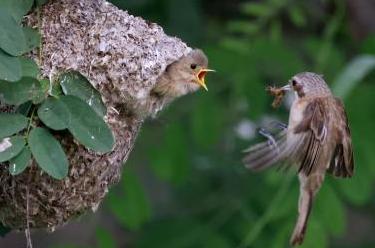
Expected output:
(122, 56)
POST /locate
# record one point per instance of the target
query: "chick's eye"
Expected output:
(294, 82)
(193, 66)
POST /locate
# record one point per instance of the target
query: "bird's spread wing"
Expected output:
(342, 162)
(265, 154)
(312, 130)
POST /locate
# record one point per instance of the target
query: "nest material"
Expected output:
(122, 56)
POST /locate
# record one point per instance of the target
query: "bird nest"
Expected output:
(37, 200)
(122, 56)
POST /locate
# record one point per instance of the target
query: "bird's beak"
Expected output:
(200, 77)
(286, 87)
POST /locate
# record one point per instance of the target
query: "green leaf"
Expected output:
(256, 9)
(41, 2)
(330, 210)
(352, 74)
(170, 160)
(48, 153)
(73, 83)
(16, 93)
(29, 67)
(245, 27)
(19, 163)
(12, 38)
(32, 38)
(105, 239)
(24, 108)
(131, 208)
(11, 124)
(17, 8)
(206, 122)
(86, 126)
(11, 147)
(296, 16)
(10, 67)
(54, 114)
(81, 120)
(315, 235)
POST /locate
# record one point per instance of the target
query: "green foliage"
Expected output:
(10, 67)
(80, 110)
(11, 147)
(17, 8)
(104, 239)
(11, 124)
(16, 93)
(352, 74)
(12, 38)
(70, 112)
(174, 167)
(75, 84)
(19, 163)
(48, 153)
(130, 205)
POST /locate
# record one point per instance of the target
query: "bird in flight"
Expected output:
(316, 140)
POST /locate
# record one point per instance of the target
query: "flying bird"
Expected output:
(316, 140)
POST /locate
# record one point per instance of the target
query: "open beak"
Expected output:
(200, 77)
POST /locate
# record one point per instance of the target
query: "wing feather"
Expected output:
(342, 162)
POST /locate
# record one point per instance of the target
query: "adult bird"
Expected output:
(316, 140)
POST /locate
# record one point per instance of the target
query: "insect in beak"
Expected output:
(201, 75)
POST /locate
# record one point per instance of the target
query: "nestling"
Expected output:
(180, 78)
(316, 140)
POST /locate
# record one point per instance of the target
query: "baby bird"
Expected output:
(184, 76)
(317, 140)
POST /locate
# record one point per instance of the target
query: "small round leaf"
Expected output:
(86, 126)
(12, 38)
(16, 93)
(32, 38)
(29, 67)
(19, 163)
(11, 147)
(11, 124)
(48, 153)
(10, 67)
(75, 84)
(54, 114)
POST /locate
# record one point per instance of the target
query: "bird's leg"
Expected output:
(268, 136)
(309, 186)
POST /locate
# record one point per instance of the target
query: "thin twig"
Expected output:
(27, 230)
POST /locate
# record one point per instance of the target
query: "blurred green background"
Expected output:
(184, 184)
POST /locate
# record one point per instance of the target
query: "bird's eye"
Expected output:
(294, 82)
(193, 66)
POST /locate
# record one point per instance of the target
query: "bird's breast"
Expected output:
(296, 114)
